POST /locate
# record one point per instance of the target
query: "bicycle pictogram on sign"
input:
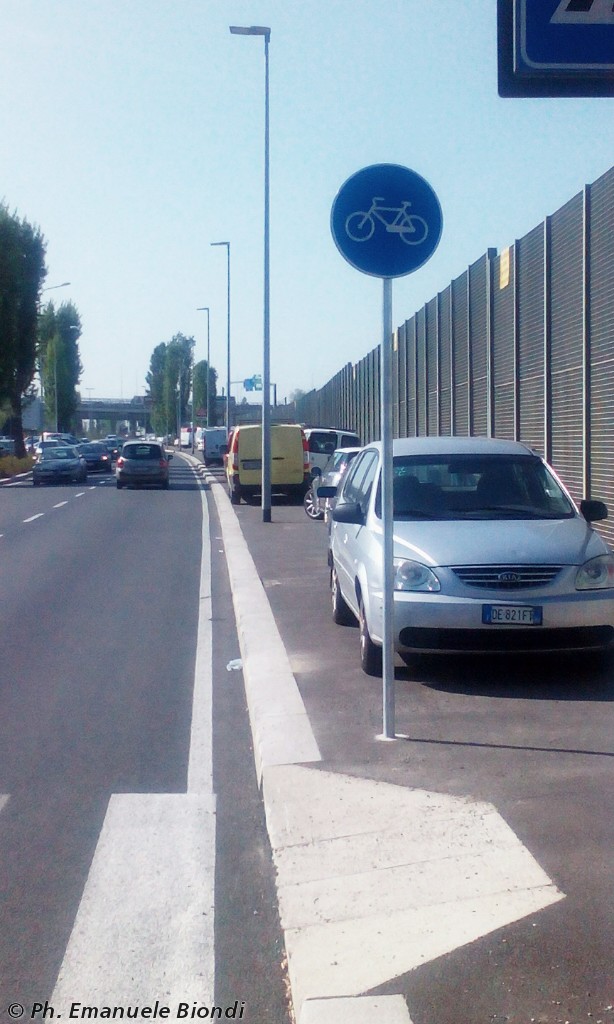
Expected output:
(411, 228)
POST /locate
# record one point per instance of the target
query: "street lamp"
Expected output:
(205, 309)
(50, 287)
(227, 244)
(261, 30)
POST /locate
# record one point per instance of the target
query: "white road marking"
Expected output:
(200, 767)
(38, 515)
(80, 494)
(365, 1010)
(144, 929)
(60, 504)
(404, 874)
(4, 798)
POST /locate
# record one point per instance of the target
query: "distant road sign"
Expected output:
(556, 47)
(386, 220)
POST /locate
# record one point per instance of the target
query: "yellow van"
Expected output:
(289, 461)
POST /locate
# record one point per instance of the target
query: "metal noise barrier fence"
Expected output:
(520, 346)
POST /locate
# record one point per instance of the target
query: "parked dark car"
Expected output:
(97, 456)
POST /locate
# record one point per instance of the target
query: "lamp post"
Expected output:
(261, 30)
(205, 309)
(227, 244)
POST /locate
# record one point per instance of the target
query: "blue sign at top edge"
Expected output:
(563, 36)
(386, 220)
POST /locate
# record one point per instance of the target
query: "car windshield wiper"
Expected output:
(414, 513)
(512, 511)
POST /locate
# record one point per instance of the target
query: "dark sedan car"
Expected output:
(56, 465)
(97, 456)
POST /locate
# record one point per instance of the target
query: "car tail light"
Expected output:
(163, 463)
(120, 461)
(234, 452)
(306, 464)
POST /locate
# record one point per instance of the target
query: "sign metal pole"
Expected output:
(386, 221)
(387, 513)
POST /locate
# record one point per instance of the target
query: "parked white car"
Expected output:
(491, 554)
(323, 441)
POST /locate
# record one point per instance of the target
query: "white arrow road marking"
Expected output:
(145, 925)
(367, 1010)
(375, 879)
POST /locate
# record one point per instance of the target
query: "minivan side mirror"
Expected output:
(315, 471)
(349, 513)
(593, 510)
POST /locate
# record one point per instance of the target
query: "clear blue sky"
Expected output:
(132, 134)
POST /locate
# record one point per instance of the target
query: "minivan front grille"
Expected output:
(506, 577)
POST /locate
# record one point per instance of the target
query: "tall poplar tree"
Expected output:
(22, 272)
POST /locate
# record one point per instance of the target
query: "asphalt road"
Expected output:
(99, 612)
(534, 737)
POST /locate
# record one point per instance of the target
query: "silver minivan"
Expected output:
(491, 553)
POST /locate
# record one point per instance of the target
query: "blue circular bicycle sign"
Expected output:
(386, 220)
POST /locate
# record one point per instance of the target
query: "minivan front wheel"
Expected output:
(370, 653)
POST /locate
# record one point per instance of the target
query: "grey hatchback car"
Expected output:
(142, 464)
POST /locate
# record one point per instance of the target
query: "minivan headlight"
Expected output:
(413, 576)
(596, 574)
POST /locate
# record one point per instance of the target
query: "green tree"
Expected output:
(22, 273)
(169, 381)
(155, 378)
(204, 386)
(59, 333)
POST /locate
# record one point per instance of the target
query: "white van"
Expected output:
(185, 438)
(213, 443)
(323, 441)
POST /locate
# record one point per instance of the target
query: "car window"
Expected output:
(476, 487)
(349, 441)
(141, 451)
(322, 442)
(59, 453)
(359, 481)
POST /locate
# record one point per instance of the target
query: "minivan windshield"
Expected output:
(476, 487)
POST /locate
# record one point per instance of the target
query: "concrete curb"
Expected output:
(281, 730)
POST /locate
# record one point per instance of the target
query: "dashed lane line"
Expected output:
(39, 515)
